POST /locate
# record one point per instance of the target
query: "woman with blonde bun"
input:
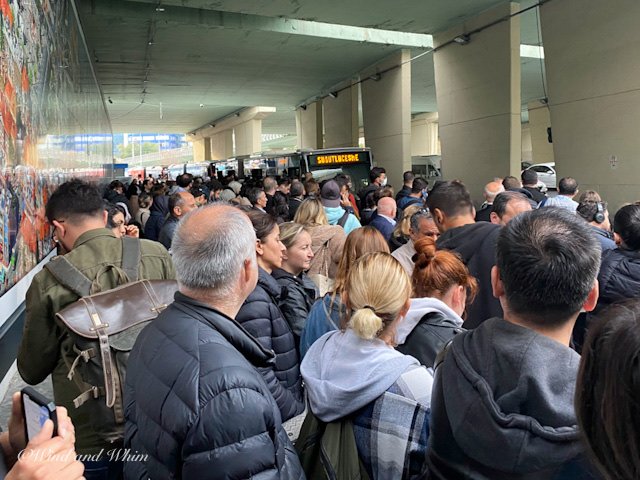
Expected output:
(356, 373)
(442, 289)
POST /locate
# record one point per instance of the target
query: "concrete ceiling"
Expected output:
(176, 65)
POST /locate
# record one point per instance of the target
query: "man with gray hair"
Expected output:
(421, 225)
(196, 407)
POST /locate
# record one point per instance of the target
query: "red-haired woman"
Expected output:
(442, 288)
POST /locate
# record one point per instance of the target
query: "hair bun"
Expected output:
(425, 252)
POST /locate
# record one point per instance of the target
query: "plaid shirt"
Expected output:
(392, 432)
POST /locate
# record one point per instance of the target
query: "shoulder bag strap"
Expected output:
(343, 219)
(131, 257)
(327, 313)
(69, 276)
(326, 258)
(440, 357)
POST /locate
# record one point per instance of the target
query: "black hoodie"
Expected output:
(476, 245)
(502, 407)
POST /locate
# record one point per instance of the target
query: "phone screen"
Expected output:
(34, 415)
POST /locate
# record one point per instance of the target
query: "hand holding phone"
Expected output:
(46, 456)
(37, 409)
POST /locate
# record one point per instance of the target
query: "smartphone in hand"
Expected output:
(37, 410)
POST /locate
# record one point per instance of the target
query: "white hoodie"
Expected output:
(418, 309)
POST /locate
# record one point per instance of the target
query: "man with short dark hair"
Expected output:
(77, 215)
(512, 184)
(180, 204)
(502, 401)
(407, 185)
(416, 196)
(567, 189)
(284, 185)
(452, 210)
(199, 195)
(183, 183)
(196, 405)
(507, 205)
(377, 179)
(596, 214)
(296, 196)
(257, 198)
(530, 184)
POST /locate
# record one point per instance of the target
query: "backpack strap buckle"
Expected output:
(94, 392)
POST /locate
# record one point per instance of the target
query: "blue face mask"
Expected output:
(424, 194)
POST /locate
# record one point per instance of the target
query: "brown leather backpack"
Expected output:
(104, 327)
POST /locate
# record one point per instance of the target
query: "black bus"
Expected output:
(322, 164)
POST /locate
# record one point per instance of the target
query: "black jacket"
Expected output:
(167, 231)
(476, 245)
(502, 408)
(403, 192)
(159, 211)
(262, 318)
(428, 338)
(364, 193)
(484, 214)
(296, 299)
(396, 242)
(619, 276)
(536, 194)
(294, 203)
(195, 405)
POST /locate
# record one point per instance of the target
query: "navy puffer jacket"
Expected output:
(195, 405)
(619, 276)
(263, 319)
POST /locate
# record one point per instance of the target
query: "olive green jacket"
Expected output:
(46, 346)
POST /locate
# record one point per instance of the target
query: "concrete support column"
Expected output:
(222, 145)
(386, 109)
(527, 149)
(341, 119)
(424, 135)
(202, 150)
(248, 137)
(309, 126)
(539, 122)
(478, 94)
(593, 74)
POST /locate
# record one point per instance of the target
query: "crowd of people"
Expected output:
(322, 332)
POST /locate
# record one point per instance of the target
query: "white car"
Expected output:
(546, 174)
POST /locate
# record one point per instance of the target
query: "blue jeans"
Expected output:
(103, 470)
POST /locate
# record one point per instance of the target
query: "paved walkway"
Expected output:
(17, 384)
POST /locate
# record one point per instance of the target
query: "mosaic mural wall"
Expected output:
(49, 103)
